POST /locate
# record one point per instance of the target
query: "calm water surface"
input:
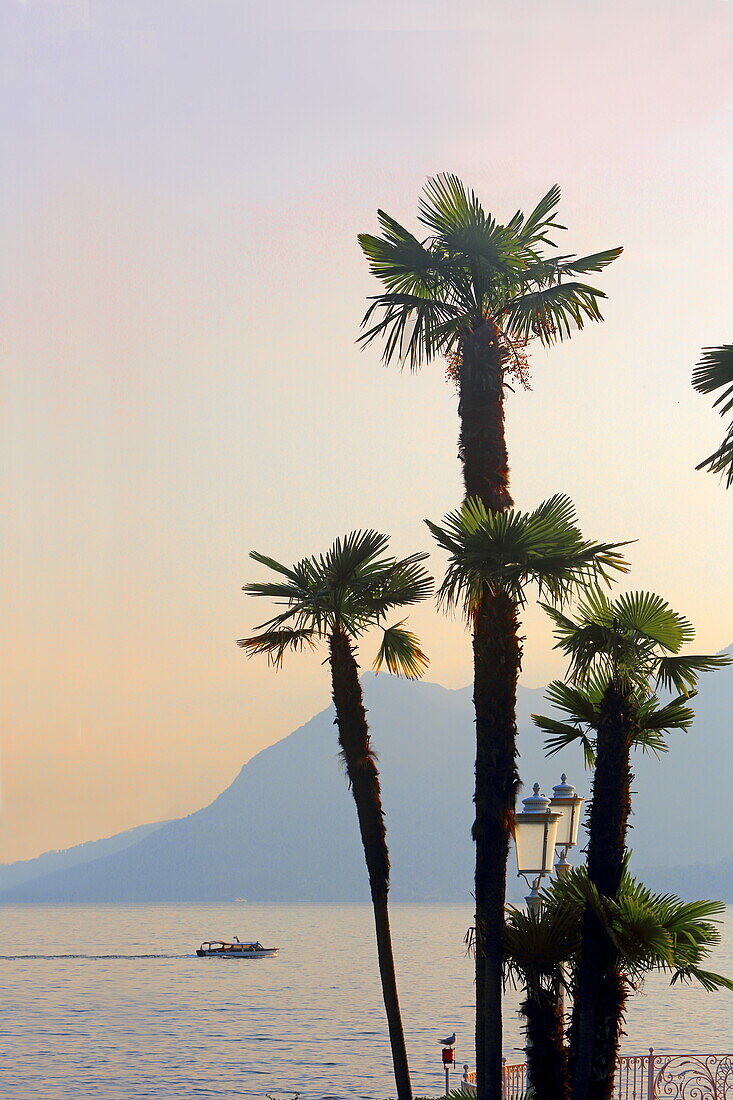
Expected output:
(110, 1002)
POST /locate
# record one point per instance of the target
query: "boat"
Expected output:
(221, 949)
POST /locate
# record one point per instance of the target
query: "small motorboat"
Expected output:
(220, 949)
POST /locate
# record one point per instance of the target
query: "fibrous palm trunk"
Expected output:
(497, 659)
(547, 1059)
(601, 989)
(482, 444)
(363, 776)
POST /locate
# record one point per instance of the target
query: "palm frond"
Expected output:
(721, 461)
(563, 734)
(406, 582)
(710, 981)
(581, 706)
(354, 558)
(651, 931)
(275, 643)
(399, 260)
(648, 614)
(351, 587)
(505, 551)
(654, 717)
(534, 229)
(548, 272)
(633, 639)
(551, 313)
(680, 674)
(414, 329)
(715, 372)
(585, 265)
(400, 651)
(539, 943)
(447, 206)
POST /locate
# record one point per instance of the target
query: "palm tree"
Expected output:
(540, 945)
(715, 372)
(336, 598)
(476, 292)
(653, 932)
(616, 649)
(492, 559)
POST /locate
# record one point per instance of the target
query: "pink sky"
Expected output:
(183, 183)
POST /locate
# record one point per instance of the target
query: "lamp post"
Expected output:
(569, 804)
(535, 837)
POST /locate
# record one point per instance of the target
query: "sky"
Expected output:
(181, 290)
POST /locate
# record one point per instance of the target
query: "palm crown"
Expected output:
(653, 932)
(715, 372)
(502, 552)
(631, 641)
(351, 588)
(581, 711)
(468, 269)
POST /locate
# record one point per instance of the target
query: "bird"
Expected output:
(449, 1042)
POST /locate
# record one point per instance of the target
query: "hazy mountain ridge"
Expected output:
(285, 829)
(12, 874)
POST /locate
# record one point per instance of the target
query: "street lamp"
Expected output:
(568, 803)
(535, 837)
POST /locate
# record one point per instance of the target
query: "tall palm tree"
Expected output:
(477, 292)
(335, 598)
(492, 559)
(715, 372)
(654, 932)
(617, 649)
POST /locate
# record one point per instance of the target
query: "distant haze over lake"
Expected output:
(285, 829)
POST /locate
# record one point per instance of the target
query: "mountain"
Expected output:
(11, 874)
(285, 829)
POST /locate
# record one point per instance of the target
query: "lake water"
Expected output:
(111, 1002)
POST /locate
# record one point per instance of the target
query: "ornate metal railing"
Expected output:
(513, 1075)
(672, 1076)
(649, 1076)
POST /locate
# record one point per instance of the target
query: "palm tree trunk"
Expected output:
(363, 776)
(497, 658)
(547, 1057)
(481, 445)
(601, 990)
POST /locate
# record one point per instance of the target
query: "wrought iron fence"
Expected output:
(649, 1076)
(670, 1076)
(513, 1079)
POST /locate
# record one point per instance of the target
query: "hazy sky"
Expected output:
(183, 183)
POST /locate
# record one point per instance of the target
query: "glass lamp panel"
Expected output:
(565, 824)
(534, 837)
(567, 830)
(577, 808)
(566, 801)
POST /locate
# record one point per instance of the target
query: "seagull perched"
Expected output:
(449, 1042)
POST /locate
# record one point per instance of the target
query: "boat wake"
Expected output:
(48, 958)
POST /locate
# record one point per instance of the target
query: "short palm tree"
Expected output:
(715, 372)
(493, 557)
(476, 292)
(335, 598)
(540, 945)
(617, 649)
(653, 932)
